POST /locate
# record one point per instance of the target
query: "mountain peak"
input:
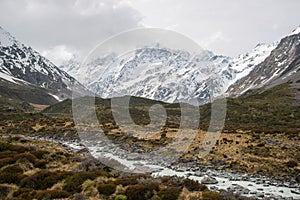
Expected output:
(260, 44)
(172, 75)
(6, 39)
(21, 62)
(295, 31)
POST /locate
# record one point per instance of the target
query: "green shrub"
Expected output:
(210, 195)
(24, 194)
(9, 147)
(126, 181)
(15, 169)
(9, 178)
(192, 185)
(43, 180)
(120, 197)
(25, 156)
(261, 144)
(6, 161)
(106, 189)
(291, 164)
(39, 153)
(4, 190)
(165, 179)
(7, 154)
(100, 173)
(80, 196)
(174, 181)
(140, 192)
(4, 146)
(132, 180)
(73, 183)
(52, 194)
(41, 164)
(18, 148)
(170, 193)
(15, 138)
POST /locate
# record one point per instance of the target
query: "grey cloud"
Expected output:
(226, 27)
(240, 24)
(79, 25)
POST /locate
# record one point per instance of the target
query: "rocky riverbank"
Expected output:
(217, 178)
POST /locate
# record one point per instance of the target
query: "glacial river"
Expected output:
(258, 187)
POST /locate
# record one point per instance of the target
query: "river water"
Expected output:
(245, 185)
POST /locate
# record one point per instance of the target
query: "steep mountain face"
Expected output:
(165, 74)
(72, 67)
(22, 65)
(174, 75)
(159, 73)
(281, 66)
(245, 63)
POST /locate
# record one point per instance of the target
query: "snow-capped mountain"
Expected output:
(244, 63)
(71, 67)
(174, 75)
(20, 64)
(282, 65)
(165, 74)
(158, 73)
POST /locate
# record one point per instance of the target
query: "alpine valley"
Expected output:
(256, 155)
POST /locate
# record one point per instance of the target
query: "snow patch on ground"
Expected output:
(8, 78)
(55, 96)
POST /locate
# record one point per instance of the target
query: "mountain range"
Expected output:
(170, 75)
(158, 73)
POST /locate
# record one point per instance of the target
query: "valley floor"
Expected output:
(242, 163)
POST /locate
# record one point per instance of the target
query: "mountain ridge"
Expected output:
(276, 69)
(223, 73)
(29, 71)
(157, 73)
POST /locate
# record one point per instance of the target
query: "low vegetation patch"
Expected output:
(52, 194)
(169, 193)
(106, 189)
(140, 191)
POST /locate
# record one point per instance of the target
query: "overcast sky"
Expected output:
(60, 29)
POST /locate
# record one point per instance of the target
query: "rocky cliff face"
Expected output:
(22, 65)
(282, 65)
(174, 75)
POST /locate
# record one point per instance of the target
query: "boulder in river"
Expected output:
(209, 180)
(295, 191)
(216, 161)
(297, 178)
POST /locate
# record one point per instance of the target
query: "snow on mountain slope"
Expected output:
(8, 77)
(295, 32)
(244, 63)
(71, 67)
(166, 74)
(21, 62)
(159, 73)
(175, 75)
(278, 67)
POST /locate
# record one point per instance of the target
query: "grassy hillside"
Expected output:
(272, 110)
(21, 95)
(261, 133)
